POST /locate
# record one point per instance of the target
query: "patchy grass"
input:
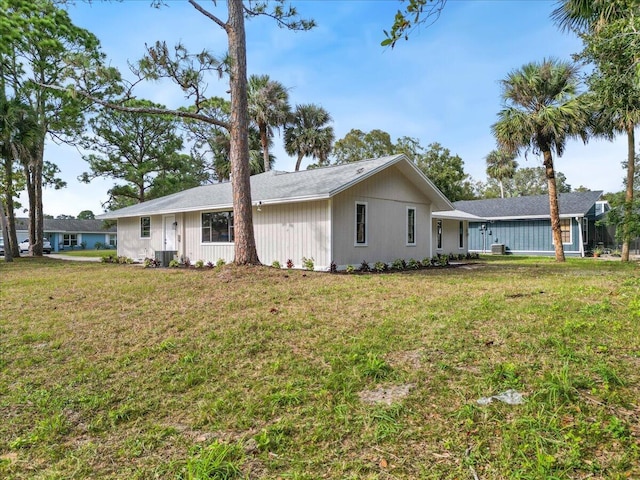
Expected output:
(113, 371)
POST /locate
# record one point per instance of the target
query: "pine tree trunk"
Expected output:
(554, 211)
(10, 239)
(628, 199)
(245, 244)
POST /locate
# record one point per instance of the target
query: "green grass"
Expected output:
(88, 253)
(114, 371)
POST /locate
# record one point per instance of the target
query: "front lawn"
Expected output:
(114, 371)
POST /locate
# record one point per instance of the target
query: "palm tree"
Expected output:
(308, 134)
(268, 108)
(542, 111)
(501, 165)
(608, 29)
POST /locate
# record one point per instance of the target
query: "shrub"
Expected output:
(186, 262)
(221, 263)
(199, 264)
(399, 264)
(380, 266)
(276, 264)
(83, 245)
(174, 263)
(333, 268)
(151, 263)
(307, 263)
(413, 264)
(210, 265)
(99, 245)
(289, 263)
(364, 266)
(350, 269)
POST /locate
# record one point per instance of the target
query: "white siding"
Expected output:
(292, 231)
(131, 245)
(450, 237)
(387, 195)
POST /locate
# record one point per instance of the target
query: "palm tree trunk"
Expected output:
(554, 211)
(299, 161)
(501, 189)
(264, 140)
(8, 254)
(245, 244)
(628, 199)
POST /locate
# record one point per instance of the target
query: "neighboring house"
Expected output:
(523, 224)
(373, 210)
(69, 234)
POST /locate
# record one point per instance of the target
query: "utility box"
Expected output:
(165, 256)
(497, 249)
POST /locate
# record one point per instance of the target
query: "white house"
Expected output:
(373, 210)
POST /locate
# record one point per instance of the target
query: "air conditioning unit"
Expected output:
(165, 256)
(497, 249)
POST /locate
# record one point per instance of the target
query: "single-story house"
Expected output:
(522, 225)
(375, 210)
(69, 233)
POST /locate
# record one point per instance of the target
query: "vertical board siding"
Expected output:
(293, 231)
(521, 236)
(129, 242)
(450, 237)
(192, 246)
(387, 194)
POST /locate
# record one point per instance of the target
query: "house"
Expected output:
(372, 210)
(522, 225)
(67, 234)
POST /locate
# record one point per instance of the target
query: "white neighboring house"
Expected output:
(372, 210)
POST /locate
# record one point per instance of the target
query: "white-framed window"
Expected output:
(565, 230)
(361, 233)
(145, 227)
(70, 239)
(461, 234)
(585, 230)
(217, 227)
(112, 239)
(438, 233)
(411, 226)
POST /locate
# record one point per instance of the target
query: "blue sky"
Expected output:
(440, 86)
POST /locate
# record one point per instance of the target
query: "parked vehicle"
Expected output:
(24, 246)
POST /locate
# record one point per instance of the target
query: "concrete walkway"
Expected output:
(73, 258)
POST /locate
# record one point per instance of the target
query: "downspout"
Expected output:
(580, 237)
(430, 223)
(330, 239)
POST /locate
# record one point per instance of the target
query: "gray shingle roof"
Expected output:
(285, 187)
(535, 206)
(67, 225)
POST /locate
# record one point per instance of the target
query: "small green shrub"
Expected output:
(399, 264)
(99, 245)
(380, 266)
(350, 269)
(221, 263)
(307, 263)
(151, 263)
(413, 264)
(174, 263)
(199, 264)
(276, 264)
(364, 266)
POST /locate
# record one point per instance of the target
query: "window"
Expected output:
(145, 227)
(70, 239)
(361, 223)
(439, 234)
(565, 230)
(411, 226)
(461, 234)
(217, 227)
(113, 238)
(585, 230)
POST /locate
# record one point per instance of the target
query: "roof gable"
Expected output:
(286, 187)
(534, 206)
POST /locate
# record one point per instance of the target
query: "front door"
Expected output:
(170, 227)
